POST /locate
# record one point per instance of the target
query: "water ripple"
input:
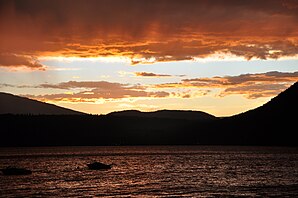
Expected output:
(152, 172)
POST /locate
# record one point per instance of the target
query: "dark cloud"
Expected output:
(148, 31)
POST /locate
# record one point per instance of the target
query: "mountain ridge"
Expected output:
(6, 100)
(171, 114)
(271, 124)
(287, 100)
(12, 104)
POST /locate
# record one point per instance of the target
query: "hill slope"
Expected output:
(11, 104)
(170, 114)
(273, 123)
(282, 106)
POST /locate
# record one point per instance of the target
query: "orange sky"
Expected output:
(163, 30)
(140, 32)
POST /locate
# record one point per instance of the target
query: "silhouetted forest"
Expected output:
(40, 130)
(274, 123)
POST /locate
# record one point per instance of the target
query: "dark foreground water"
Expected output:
(152, 172)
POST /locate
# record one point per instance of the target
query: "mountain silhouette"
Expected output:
(170, 114)
(11, 104)
(272, 124)
(282, 106)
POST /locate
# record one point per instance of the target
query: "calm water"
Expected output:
(152, 172)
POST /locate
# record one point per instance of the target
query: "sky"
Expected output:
(223, 57)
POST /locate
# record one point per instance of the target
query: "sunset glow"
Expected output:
(222, 57)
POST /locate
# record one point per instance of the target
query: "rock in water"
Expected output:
(16, 171)
(99, 166)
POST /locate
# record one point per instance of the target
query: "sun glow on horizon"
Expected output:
(216, 56)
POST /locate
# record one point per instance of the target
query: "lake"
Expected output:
(152, 171)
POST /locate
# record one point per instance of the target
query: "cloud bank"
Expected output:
(147, 31)
(91, 91)
(251, 86)
(19, 61)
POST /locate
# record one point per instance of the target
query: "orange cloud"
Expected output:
(269, 77)
(94, 90)
(19, 61)
(149, 31)
(149, 74)
(104, 85)
(250, 85)
(256, 90)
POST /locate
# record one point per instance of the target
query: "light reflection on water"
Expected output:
(181, 171)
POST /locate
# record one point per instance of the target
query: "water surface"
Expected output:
(177, 171)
